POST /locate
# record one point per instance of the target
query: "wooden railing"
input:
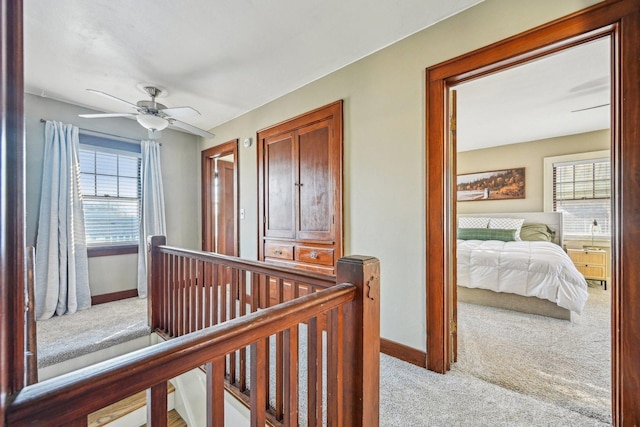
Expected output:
(31, 346)
(352, 362)
(193, 290)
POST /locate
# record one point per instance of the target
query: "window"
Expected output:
(110, 184)
(581, 188)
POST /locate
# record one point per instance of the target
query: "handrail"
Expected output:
(315, 279)
(94, 387)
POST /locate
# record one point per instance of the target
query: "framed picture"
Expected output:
(492, 185)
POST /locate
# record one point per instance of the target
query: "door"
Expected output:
(314, 186)
(621, 20)
(279, 203)
(220, 199)
(225, 207)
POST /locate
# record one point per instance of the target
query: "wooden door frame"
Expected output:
(208, 157)
(12, 200)
(621, 20)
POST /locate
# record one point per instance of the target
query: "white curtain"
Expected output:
(152, 219)
(62, 270)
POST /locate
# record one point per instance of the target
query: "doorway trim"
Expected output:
(621, 20)
(208, 158)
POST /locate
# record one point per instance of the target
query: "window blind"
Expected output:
(582, 190)
(110, 183)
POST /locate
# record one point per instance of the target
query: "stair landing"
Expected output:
(120, 409)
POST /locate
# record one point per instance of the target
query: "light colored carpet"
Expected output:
(413, 396)
(409, 395)
(556, 361)
(101, 326)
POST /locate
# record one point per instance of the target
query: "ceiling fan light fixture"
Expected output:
(152, 122)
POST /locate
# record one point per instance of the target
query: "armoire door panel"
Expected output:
(279, 188)
(300, 190)
(314, 185)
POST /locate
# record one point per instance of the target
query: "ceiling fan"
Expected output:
(152, 115)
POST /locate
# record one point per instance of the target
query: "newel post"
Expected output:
(154, 276)
(361, 342)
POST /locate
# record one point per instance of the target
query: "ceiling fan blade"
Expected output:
(181, 112)
(105, 115)
(192, 129)
(590, 108)
(115, 98)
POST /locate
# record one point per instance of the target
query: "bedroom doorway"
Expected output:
(621, 21)
(503, 143)
(220, 199)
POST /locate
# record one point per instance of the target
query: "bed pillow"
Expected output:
(486, 234)
(507, 224)
(537, 233)
(472, 222)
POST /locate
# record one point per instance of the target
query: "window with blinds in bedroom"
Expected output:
(110, 183)
(582, 191)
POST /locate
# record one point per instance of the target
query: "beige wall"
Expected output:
(529, 155)
(178, 154)
(384, 139)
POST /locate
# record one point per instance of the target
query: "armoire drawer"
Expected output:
(278, 250)
(321, 256)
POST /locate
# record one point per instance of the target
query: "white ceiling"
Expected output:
(223, 58)
(536, 100)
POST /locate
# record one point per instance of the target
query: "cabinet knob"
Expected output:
(277, 252)
(314, 255)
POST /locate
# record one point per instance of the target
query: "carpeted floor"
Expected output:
(556, 361)
(65, 337)
(412, 396)
(409, 395)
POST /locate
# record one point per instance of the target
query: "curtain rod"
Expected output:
(118, 137)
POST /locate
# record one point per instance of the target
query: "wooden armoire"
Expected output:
(300, 191)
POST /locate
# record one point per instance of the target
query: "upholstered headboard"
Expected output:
(552, 219)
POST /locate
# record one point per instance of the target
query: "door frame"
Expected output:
(208, 158)
(621, 20)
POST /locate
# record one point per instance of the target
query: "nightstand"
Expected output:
(592, 263)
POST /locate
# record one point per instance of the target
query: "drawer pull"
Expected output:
(314, 255)
(277, 252)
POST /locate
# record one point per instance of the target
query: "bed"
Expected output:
(499, 269)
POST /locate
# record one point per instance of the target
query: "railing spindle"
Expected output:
(215, 388)
(259, 384)
(165, 299)
(157, 405)
(267, 355)
(174, 300)
(314, 368)
(207, 289)
(31, 344)
(232, 315)
(290, 391)
(335, 365)
(216, 293)
(242, 383)
(279, 357)
(192, 296)
(187, 295)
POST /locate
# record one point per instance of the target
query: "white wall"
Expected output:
(529, 155)
(181, 184)
(384, 140)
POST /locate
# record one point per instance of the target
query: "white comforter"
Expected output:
(539, 269)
